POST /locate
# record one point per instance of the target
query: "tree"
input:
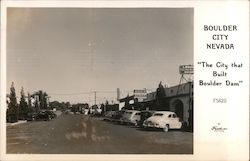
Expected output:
(23, 106)
(36, 104)
(103, 107)
(30, 109)
(67, 105)
(160, 96)
(40, 100)
(43, 99)
(12, 111)
(55, 104)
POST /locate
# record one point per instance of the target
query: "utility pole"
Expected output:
(47, 102)
(95, 97)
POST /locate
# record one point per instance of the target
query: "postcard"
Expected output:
(124, 80)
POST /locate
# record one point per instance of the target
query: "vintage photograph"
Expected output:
(99, 80)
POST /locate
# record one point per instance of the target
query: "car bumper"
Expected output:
(126, 122)
(152, 126)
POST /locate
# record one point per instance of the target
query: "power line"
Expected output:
(95, 97)
(81, 93)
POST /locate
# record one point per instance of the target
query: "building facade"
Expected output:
(178, 99)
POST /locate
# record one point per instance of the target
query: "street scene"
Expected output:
(139, 127)
(99, 81)
(79, 134)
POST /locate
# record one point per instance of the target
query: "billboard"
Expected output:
(140, 94)
(186, 69)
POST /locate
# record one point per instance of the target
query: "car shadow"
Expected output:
(160, 130)
(149, 129)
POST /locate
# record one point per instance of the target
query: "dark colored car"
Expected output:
(44, 116)
(31, 116)
(51, 113)
(144, 116)
(11, 118)
(116, 117)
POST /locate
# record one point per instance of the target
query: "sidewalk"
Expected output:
(58, 113)
(16, 123)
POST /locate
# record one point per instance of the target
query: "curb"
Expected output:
(16, 123)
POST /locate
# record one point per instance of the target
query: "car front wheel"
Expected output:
(136, 122)
(166, 128)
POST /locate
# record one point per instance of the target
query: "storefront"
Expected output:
(178, 99)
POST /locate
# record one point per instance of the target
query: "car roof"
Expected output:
(132, 111)
(148, 111)
(164, 112)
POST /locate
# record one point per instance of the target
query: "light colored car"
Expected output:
(164, 120)
(86, 111)
(131, 117)
(108, 115)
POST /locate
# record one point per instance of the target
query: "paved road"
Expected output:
(79, 134)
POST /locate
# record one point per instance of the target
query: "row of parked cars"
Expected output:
(146, 119)
(45, 115)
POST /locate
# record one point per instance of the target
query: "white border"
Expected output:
(3, 81)
(101, 4)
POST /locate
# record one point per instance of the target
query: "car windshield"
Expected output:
(158, 114)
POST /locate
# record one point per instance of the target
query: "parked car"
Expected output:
(164, 120)
(42, 115)
(31, 116)
(131, 117)
(68, 112)
(144, 115)
(96, 112)
(86, 111)
(108, 115)
(51, 113)
(11, 118)
(116, 117)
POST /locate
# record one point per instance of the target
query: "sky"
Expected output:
(71, 52)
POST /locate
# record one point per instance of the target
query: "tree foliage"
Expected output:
(30, 109)
(60, 105)
(160, 96)
(20, 111)
(23, 106)
(12, 111)
(40, 100)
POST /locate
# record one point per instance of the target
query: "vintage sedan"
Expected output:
(116, 116)
(31, 116)
(164, 120)
(108, 115)
(43, 115)
(145, 114)
(131, 117)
